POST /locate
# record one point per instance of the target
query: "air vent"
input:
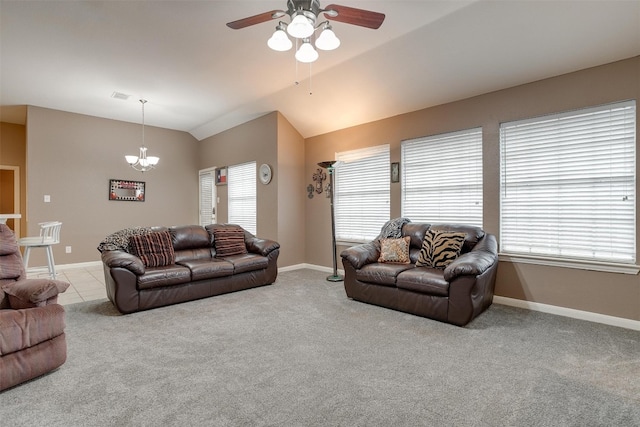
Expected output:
(120, 95)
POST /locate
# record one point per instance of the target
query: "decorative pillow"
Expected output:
(440, 248)
(119, 241)
(229, 240)
(155, 249)
(33, 292)
(395, 250)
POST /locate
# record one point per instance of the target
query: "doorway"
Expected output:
(10, 195)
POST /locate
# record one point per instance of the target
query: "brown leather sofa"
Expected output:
(456, 294)
(197, 269)
(32, 338)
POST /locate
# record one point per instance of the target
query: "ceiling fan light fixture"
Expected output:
(301, 26)
(306, 53)
(327, 39)
(279, 40)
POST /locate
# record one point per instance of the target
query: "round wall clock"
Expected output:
(265, 173)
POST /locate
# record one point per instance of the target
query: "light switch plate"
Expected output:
(47, 198)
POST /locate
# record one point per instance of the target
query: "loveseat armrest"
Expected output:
(363, 254)
(260, 246)
(475, 262)
(114, 259)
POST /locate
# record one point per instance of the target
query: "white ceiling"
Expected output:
(201, 77)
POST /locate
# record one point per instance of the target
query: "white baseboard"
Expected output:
(310, 267)
(569, 312)
(61, 267)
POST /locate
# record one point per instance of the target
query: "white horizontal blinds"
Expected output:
(568, 184)
(207, 187)
(362, 192)
(241, 189)
(442, 178)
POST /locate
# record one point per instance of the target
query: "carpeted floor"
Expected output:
(300, 353)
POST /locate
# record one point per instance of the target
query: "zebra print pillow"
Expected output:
(440, 248)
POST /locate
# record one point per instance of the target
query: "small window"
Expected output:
(568, 185)
(241, 195)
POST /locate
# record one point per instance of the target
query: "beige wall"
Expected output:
(606, 293)
(71, 157)
(291, 193)
(13, 142)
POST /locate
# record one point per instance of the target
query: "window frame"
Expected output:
(589, 116)
(376, 174)
(442, 182)
(247, 172)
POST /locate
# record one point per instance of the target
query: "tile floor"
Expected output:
(87, 283)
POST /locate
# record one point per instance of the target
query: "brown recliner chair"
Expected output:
(32, 339)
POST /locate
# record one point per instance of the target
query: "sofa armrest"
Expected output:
(28, 293)
(475, 262)
(261, 246)
(114, 259)
(361, 255)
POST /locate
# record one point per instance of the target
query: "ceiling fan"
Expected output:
(303, 16)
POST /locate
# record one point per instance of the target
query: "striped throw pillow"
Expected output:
(440, 248)
(229, 240)
(154, 249)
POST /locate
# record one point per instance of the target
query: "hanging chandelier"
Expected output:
(302, 27)
(142, 162)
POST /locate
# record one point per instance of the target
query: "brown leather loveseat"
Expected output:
(455, 293)
(158, 266)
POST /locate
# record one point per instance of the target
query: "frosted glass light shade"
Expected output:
(300, 27)
(131, 159)
(327, 40)
(279, 41)
(306, 53)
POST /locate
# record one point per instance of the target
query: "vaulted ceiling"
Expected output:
(201, 77)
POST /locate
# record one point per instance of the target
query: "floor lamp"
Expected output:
(329, 166)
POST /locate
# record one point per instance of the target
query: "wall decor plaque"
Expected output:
(128, 191)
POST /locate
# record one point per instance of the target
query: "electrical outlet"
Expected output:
(67, 249)
(47, 198)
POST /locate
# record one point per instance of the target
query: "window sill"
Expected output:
(609, 267)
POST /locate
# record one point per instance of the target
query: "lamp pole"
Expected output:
(335, 277)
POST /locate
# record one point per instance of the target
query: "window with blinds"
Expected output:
(441, 178)
(207, 197)
(362, 193)
(568, 185)
(241, 193)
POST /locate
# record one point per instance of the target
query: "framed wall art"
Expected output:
(127, 191)
(395, 172)
(221, 176)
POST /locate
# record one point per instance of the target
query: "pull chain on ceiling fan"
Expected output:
(303, 16)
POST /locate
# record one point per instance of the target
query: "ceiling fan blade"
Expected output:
(351, 15)
(256, 19)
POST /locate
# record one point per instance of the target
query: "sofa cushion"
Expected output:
(423, 280)
(154, 249)
(247, 262)
(228, 240)
(157, 277)
(207, 268)
(189, 237)
(395, 250)
(380, 273)
(440, 248)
